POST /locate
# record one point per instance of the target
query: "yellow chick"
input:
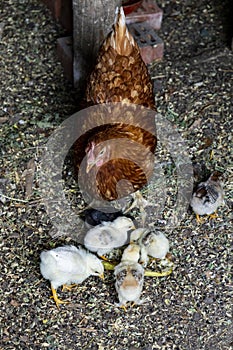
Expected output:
(105, 237)
(66, 265)
(131, 253)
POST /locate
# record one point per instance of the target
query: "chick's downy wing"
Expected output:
(69, 262)
(98, 236)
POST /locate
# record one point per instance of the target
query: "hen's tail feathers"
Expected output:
(120, 38)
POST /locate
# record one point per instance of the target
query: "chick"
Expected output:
(66, 265)
(105, 237)
(94, 217)
(129, 282)
(136, 234)
(131, 253)
(129, 276)
(152, 243)
(208, 196)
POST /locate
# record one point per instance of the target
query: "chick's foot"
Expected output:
(199, 220)
(56, 299)
(69, 288)
(213, 216)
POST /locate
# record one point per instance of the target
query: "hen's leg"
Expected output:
(56, 299)
(150, 273)
(141, 203)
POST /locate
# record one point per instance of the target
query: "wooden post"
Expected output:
(92, 20)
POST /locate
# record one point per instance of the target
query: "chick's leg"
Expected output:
(103, 258)
(199, 220)
(69, 288)
(213, 216)
(144, 256)
(137, 302)
(56, 299)
(123, 307)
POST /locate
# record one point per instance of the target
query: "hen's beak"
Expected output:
(102, 276)
(89, 166)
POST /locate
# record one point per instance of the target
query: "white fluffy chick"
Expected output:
(66, 265)
(152, 243)
(105, 237)
(129, 282)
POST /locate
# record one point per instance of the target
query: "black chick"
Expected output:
(93, 217)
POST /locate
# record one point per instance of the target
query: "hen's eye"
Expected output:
(101, 152)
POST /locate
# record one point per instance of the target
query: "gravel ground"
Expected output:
(191, 308)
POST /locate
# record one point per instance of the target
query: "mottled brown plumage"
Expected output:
(120, 73)
(120, 141)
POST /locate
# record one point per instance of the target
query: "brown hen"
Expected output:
(119, 136)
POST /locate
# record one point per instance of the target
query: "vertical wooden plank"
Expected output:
(92, 20)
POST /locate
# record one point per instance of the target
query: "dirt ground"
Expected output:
(188, 310)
